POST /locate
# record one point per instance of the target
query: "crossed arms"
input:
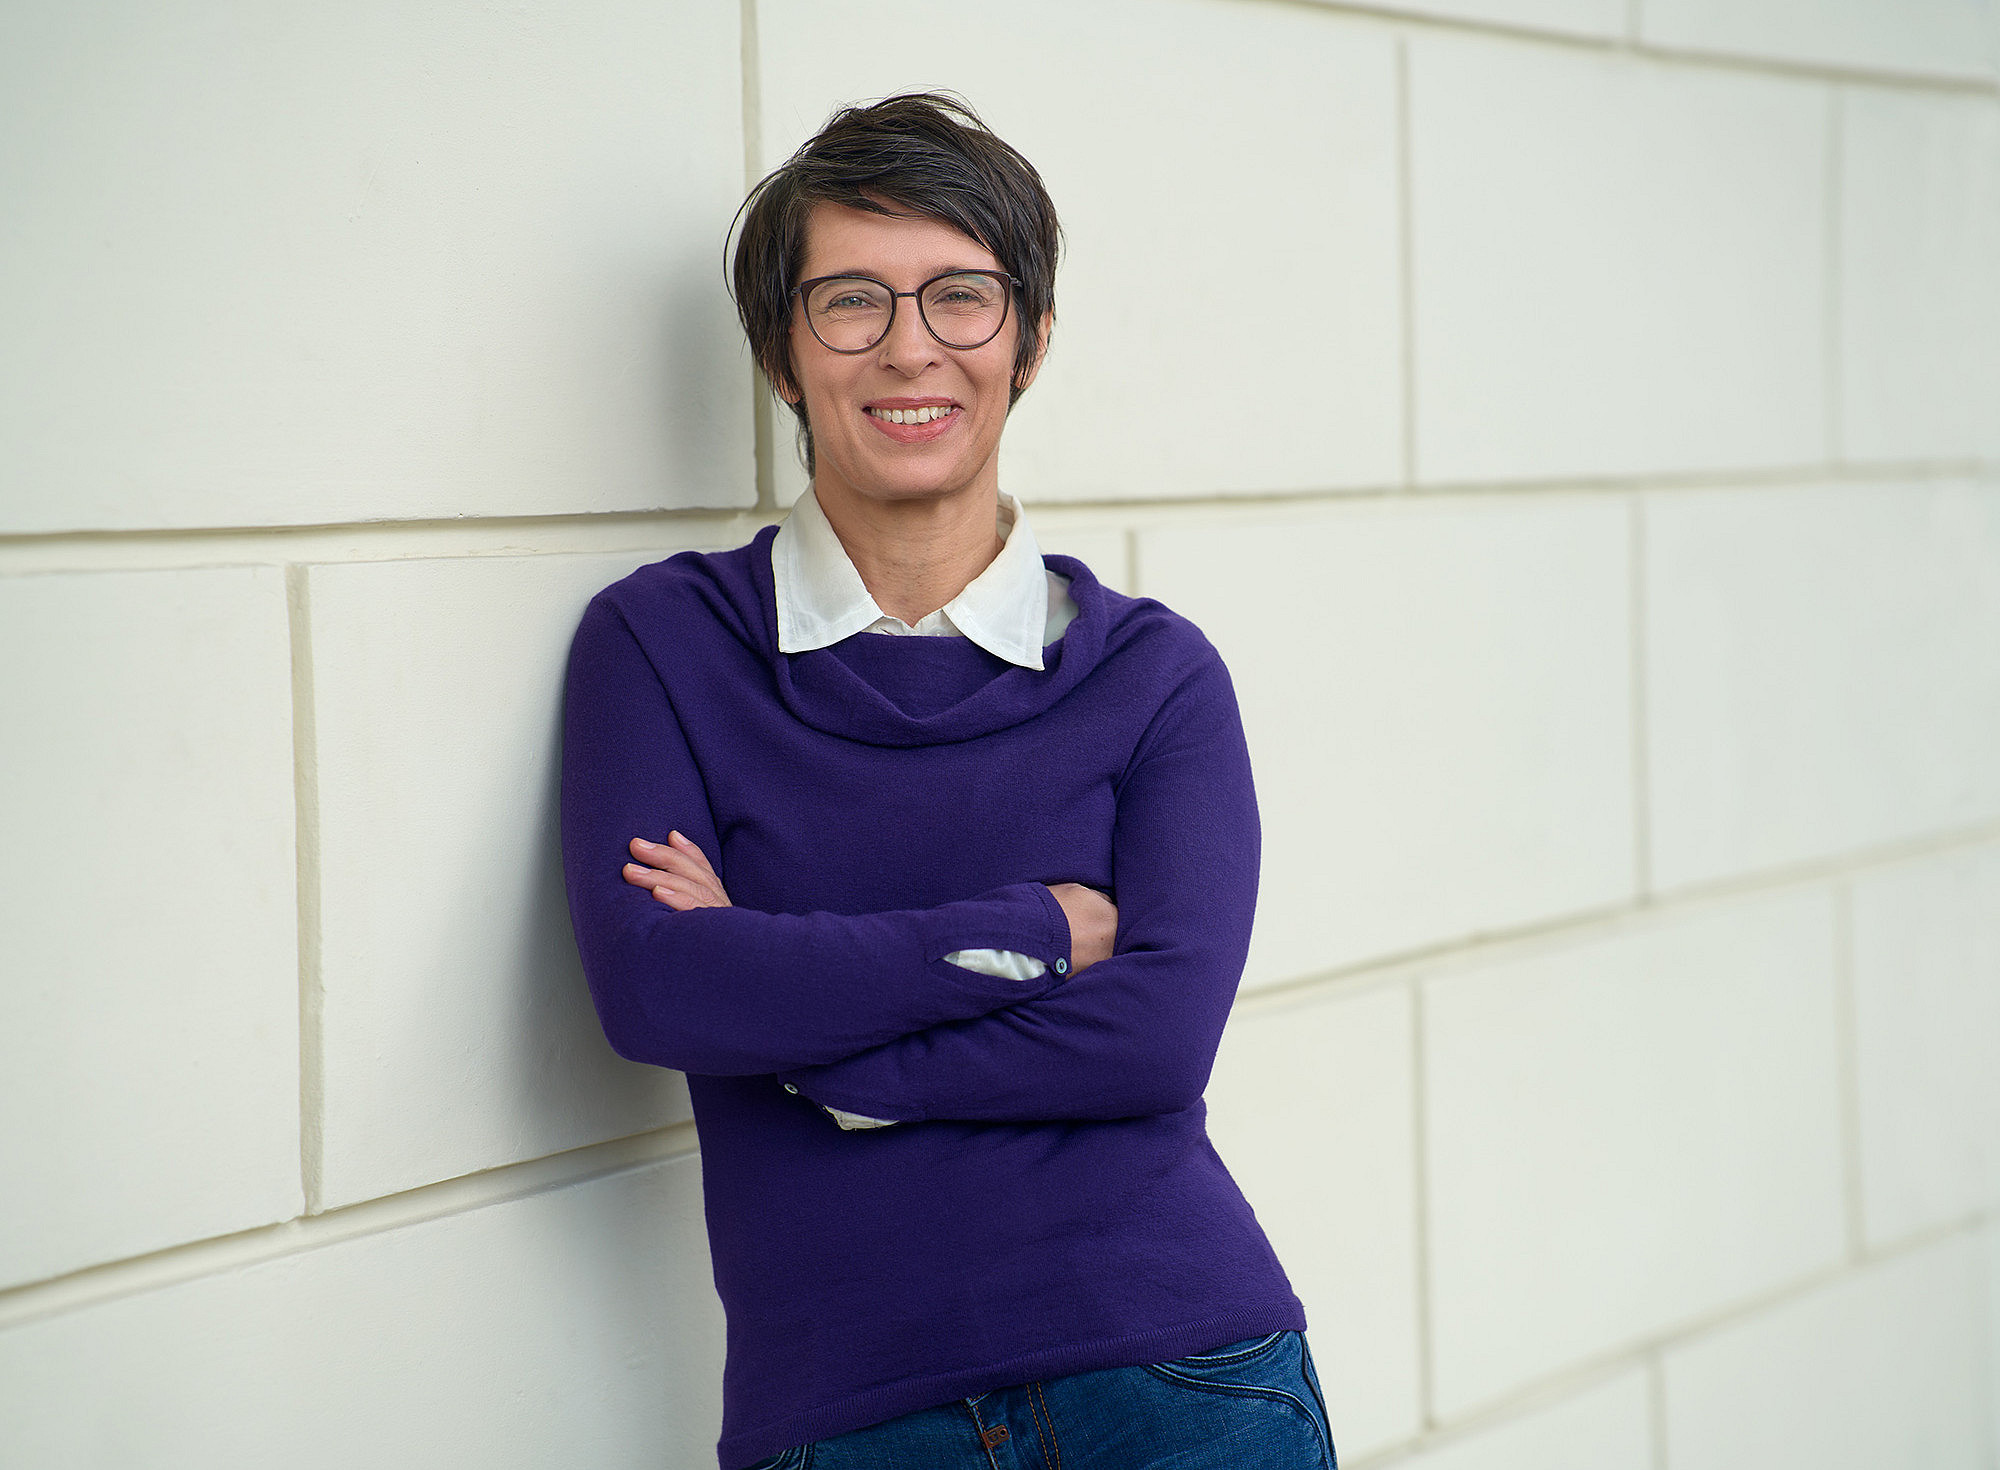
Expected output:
(863, 1012)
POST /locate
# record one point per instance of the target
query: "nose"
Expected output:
(908, 347)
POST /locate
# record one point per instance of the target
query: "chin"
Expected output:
(914, 480)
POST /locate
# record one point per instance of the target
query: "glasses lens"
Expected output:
(965, 310)
(848, 313)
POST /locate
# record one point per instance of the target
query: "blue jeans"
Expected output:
(1250, 1405)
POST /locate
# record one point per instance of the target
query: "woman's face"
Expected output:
(856, 446)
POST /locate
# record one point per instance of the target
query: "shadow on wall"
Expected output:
(703, 378)
(565, 1069)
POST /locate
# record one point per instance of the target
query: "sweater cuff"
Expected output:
(1058, 958)
(1026, 919)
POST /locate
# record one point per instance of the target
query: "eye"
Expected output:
(965, 293)
(847, 296)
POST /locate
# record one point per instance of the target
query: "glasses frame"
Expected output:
(800, 290)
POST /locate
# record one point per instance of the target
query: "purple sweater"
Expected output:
(1051, 1203)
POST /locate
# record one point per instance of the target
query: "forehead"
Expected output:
(900, 249)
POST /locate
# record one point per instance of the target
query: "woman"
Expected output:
(988, 888)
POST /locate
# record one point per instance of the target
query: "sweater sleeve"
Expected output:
(734, 991)
(1135, 1034)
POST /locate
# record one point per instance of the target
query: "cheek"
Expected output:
(807, 370)
(823, 397)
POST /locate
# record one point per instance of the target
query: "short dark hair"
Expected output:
(922, 153)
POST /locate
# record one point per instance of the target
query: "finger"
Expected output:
(684, 899)
(685, 844)
(641, 876)
(672, 860)
(682, 855)
(703, 891)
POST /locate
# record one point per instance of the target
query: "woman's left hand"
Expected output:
(677, 872)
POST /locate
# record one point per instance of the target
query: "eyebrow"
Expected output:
(950, 270)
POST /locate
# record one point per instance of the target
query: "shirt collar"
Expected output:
(822, 599)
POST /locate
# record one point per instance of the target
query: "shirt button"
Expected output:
(791, 1089)
(1062, 967)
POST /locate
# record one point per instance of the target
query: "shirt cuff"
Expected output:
(1009, 964)
(852, 1121)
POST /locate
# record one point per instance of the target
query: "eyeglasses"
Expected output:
(962, 309)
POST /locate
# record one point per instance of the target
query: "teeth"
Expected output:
(912, 415)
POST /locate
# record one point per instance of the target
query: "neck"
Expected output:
(914, 555)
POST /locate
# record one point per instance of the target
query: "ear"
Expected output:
(1042, 329)
(780, 379)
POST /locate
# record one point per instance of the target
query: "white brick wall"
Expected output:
(379, 262)
(1370, 640)
(1884, 1367)
(1919, 293)
(575, 1326)
(1311, 1105)
(1926, 956)
(149, 1031)
(1947, 38)
(1576, 421)
(1627, 1133)
(1598, 18)
(450, 987)
(1820, 674)
(1619, 265)
(1603, 1428)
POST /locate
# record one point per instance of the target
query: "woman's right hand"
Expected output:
(1093, 923)
(678, 873)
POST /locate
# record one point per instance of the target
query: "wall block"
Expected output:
(1603, 1428)
(1887, 1367)
(573, 1327)
(1926, 948)
(1919, 275)
(304, 264)
(1627, 277)
(1947, 38)
(149, 1044)
(1595, 18)
(1369, 643)
(1820, 674)
(458, 1031)
(1312, 1109)
(1627, 1133)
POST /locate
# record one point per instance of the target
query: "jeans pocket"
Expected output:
(1269, 1369)
(1229, 1355)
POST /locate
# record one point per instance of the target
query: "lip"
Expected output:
(915, 433)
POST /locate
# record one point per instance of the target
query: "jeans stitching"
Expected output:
(1239, 1390)
(1309, 1372)
(979, 1433)
(1048, 1422)
(1241, 1355)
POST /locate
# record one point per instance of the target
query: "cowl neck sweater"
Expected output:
(853, 692)
(1049, 1202)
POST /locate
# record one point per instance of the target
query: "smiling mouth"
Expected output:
(927, 414)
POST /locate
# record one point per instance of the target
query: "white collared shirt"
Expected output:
(1011, 609)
